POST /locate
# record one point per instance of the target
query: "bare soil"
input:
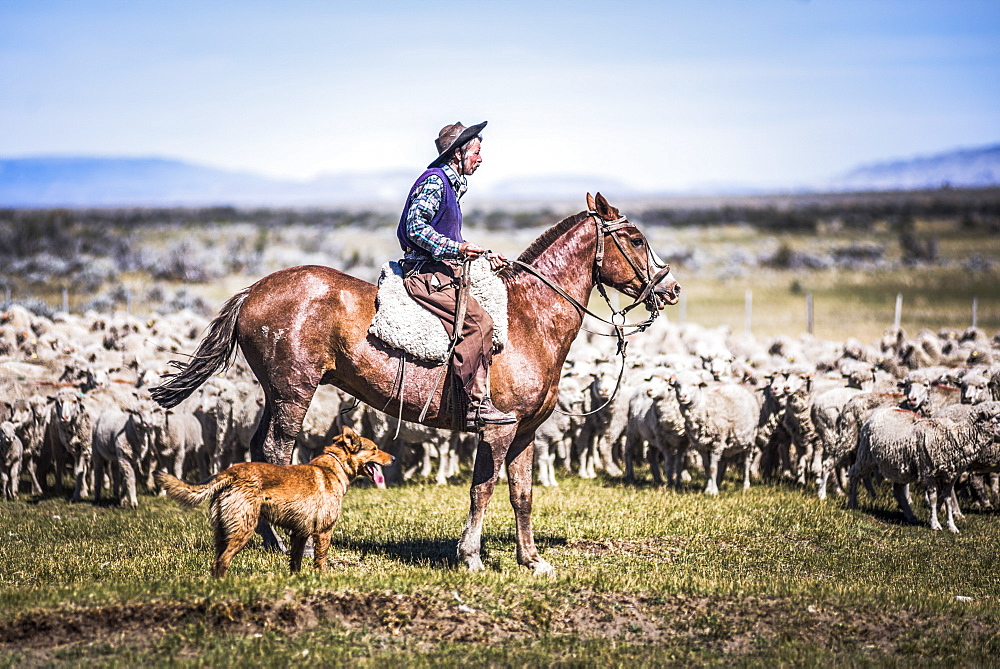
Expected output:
(723, 627)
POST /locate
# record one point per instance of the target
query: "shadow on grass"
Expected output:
(886, 516)
(435, 553)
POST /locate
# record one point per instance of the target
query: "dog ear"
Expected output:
(351, 440)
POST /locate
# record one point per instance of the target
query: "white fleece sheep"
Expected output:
(720, 421)
(907, 448)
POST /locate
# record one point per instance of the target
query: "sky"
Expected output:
(659, 95)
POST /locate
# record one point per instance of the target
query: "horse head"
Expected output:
(626, 261)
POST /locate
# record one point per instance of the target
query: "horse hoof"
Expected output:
(543, 568)
(474, 563)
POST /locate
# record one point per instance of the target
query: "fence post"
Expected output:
(65, 296)
(809, 313)
(899, 311)
(975, 311)
(748, 318)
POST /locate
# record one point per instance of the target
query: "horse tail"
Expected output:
(187, 494)
(215, 352)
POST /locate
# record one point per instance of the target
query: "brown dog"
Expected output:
(304, 499)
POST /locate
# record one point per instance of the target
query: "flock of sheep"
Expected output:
(923, 409)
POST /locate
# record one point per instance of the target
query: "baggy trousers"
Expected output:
(434, 286)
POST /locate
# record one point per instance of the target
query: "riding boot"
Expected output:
(481, 410)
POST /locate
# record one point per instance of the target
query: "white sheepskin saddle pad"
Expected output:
(402, 323)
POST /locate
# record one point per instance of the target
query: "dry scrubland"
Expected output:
(853, 253)
(648, 575)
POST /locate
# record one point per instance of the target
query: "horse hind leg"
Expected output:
(280, 424)
(273, 442)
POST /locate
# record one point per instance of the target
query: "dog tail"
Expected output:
(186, 494)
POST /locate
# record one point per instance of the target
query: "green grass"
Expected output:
(645, 575)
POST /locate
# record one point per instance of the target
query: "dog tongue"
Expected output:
(375, 472)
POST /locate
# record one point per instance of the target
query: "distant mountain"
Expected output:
(962, 168)
(111, 182)
(117, 182)
(157, 182)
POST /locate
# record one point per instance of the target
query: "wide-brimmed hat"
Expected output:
(452, 137)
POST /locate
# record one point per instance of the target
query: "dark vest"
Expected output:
(448, 219)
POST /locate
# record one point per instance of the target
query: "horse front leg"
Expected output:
(493, 446)
(519, 464)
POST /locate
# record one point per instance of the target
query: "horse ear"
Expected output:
(591, 206)
(604, 209)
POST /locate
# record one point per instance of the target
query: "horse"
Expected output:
(304, 326)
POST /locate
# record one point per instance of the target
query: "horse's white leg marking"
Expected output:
(493, 445)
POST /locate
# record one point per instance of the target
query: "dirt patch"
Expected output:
(725, 626)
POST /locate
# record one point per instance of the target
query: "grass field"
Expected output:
(645, 576)
(771, 576)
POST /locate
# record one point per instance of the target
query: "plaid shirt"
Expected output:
(425, 204)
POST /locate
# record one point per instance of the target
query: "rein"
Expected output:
(605, 228)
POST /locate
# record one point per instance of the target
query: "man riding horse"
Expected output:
(430, 234)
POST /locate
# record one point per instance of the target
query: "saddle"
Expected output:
(403, 324)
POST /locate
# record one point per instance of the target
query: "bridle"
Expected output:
(605, 228)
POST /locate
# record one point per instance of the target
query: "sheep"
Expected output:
(825, 413)
(177, 435)
(216, 402)
(916, 397)
(547, 437)
(68, 438)
(104, 454)
(987, 463)
(720, 422)
(798, 422)
(853, 415)
(655, 418)
(11, 454)
(246, 418)
(415, 447)
(773, 440)
(125, 442)
(606, 422)
(974, 386)
(551, 437)
(930, 389)
(924, 350)
(907, 448)
(30, 418)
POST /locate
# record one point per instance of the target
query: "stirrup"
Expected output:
(485, 413)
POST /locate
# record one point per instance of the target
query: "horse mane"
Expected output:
(545, 240)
